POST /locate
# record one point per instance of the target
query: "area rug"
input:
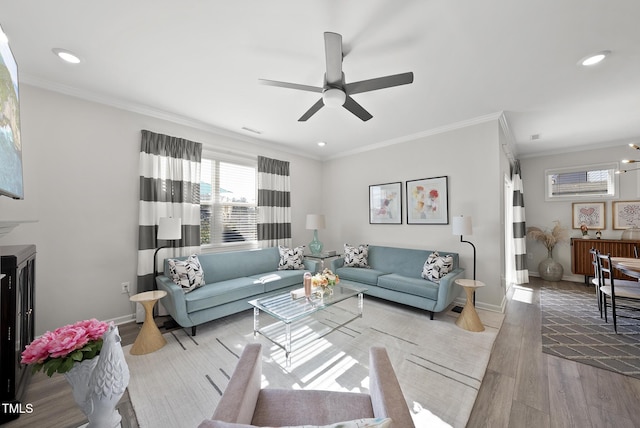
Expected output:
(439, 366)
(572, 329)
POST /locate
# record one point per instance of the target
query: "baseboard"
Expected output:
(122, 320)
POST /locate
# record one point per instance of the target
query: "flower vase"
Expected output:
(78, 378)
(549, 269)
(99, 383)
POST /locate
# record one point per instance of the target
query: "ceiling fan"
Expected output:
(336, 92)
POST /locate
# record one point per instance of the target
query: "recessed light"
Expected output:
(66, 55)
(594, 59)
(321, 143)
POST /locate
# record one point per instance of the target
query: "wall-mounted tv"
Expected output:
(10, 142)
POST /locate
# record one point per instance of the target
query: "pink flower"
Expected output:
(67, 339)
(95, 329)
(38, 350)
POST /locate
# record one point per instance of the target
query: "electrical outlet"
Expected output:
(124, 288)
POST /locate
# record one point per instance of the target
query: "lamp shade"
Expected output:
(170, 228)
(315, 221)
(462, 225)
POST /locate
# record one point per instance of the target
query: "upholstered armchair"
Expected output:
(244, 402)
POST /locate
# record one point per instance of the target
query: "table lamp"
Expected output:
(315, 222)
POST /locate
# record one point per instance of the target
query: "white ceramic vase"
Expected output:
(99, 383)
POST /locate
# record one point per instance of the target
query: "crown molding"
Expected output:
(155, 113)
(428, 133)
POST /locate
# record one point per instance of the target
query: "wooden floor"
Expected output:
(525, 388)
(522, 387)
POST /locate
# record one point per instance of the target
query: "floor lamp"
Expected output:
(462, 226)
(169, 229)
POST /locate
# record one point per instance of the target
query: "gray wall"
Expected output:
(81, 186)
(81, 191)
(472, 159)
(542, 213)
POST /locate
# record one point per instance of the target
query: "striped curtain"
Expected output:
(169, 187)
(519, 228)
(274, 203)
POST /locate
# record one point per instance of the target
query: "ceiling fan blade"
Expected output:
(290, 85)
(355, 108)
(313, 110)
(378, 83)
(333, 58)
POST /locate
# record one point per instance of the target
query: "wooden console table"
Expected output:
(581, 258)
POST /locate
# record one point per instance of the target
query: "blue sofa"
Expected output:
(394, 274)
(232, 279)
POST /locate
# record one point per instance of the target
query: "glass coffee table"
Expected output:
(284, 308)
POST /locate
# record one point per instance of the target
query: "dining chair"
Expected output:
(627, 293)
(597, 275)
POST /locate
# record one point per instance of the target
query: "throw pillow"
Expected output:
(358, 423)
(436, 267)
(188, 274)
(291, 258)
(356, 256)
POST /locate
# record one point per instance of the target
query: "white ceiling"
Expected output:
(201, 60)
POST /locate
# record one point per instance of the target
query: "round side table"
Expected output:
(149, 338)
(469, 319)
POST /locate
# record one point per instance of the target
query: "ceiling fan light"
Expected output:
(334, 97)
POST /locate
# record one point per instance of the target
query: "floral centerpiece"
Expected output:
(325, 281)
(58, 351)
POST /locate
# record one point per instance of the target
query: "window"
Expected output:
(228, 202)
(583, 182)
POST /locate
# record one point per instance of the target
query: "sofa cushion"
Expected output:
(188, 274)
(365, 276)
(291, 258)
(282, 407)
(279, 279)
(436, 266)
(416, 286)
(222, 292)
(359, 423)
(356, 256)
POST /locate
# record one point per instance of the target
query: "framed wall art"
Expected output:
(385, 203)
(428, 201)
(625, 214)
(590, 213)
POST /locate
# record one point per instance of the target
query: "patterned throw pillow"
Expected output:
(188, 274)
(356, 256)
(436, 267)
(291, 258)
